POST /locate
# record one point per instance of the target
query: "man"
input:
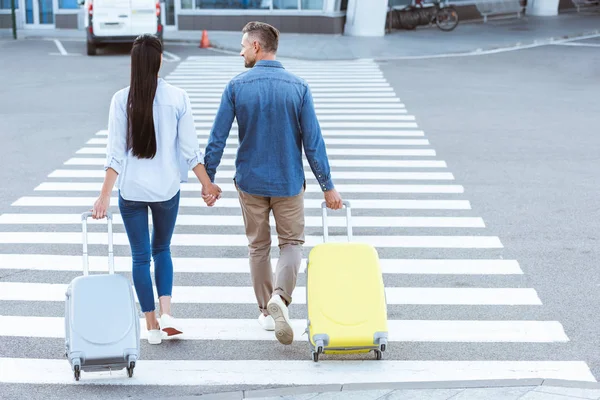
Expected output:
(276, 117)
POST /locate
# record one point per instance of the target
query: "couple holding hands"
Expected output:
(152, 144)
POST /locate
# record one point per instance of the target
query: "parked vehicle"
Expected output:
(120, 21)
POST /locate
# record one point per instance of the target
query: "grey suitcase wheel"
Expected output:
(378, 355)
(77, 372)
(315, 356)
(130, 369)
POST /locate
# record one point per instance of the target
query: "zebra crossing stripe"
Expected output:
(55, 292)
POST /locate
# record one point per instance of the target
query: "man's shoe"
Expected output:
(169, 325)
(283, 328)
(266, 322)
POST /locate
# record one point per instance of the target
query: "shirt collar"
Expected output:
(269, 63)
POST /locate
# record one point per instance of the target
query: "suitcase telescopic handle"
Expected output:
(346, 204)
(111, 258)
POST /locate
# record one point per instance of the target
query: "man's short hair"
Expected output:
(267, 35)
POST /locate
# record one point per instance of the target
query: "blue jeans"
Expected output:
(135, 219)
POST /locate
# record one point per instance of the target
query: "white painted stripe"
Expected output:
(229, 187)
(316, 96)
(332, 152)
(322, 105)
(330, 132)
(315, 92)
(171, 57)
(353, 175)
(50, 262)
(19, 291)
(39, 201)
(379, 83)
(60, 47)
(237, 220)
(341, 124)
(356, 117)
(306, 372)
(328, 141)
(248, 329)
(335, 163)
(230, 240)
(342, 113)
(207, 77)
(224, 80)
(318, 101)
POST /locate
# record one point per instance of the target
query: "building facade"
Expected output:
(297, 16)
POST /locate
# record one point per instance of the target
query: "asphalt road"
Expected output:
(515, 129)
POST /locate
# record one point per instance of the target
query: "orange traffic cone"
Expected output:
(204, 43)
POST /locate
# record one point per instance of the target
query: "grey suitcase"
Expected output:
(102, 326)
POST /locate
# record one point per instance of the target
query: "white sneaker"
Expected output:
(169, 325)
(267, 322)
(283, 327)
(154, 336)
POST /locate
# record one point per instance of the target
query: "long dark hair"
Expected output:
(145, 63)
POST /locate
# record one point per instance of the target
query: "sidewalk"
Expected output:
(424, 42)
(525, 389)
(468, 38)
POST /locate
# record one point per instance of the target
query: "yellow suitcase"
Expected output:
(345, 296)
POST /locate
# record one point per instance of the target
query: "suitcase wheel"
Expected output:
(77, 372)
(130, 369)
(378, 355)
(315, 356)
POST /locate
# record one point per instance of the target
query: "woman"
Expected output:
(151, 137)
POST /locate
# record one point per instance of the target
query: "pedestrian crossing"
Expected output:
(458, 308)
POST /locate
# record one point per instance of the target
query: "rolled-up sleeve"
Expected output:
(117, 136)
(186, 132)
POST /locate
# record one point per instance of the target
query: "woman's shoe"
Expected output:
(154, 336)
(169, 325)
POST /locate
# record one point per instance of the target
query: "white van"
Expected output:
(120, 21)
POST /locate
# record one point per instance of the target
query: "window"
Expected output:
(5, 4)
(68, 4)
(312, 4)
(251, 4)
(224, 4)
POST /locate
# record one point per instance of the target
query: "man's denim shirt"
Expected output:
(276, 117)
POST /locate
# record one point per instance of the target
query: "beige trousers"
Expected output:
(288, 213)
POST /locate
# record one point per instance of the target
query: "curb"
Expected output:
(473, 384)
(477, 52)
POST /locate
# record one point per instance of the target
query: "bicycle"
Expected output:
(444, 16)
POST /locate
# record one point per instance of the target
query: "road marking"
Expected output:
(340, 124)
(351, 175)
(577, 44)
(334, 163)
(381, 83)
(356, 117)
(229, 187)
(317, 96)
(170, 57)
(49, 262)
(367, 133)
(275, 372)
(381, 112)
(39, 201)
(60, 47)
(20, 291)
(384, 91)
(248, 330)
(240, 240)
(328, 141)
(200, 99)
(237, 220)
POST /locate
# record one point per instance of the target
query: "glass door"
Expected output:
(39, 13)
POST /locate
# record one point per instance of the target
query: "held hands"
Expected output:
(333, 199)
(211, 193)
(101, 205)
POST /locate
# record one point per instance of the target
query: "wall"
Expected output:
(285, 23)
